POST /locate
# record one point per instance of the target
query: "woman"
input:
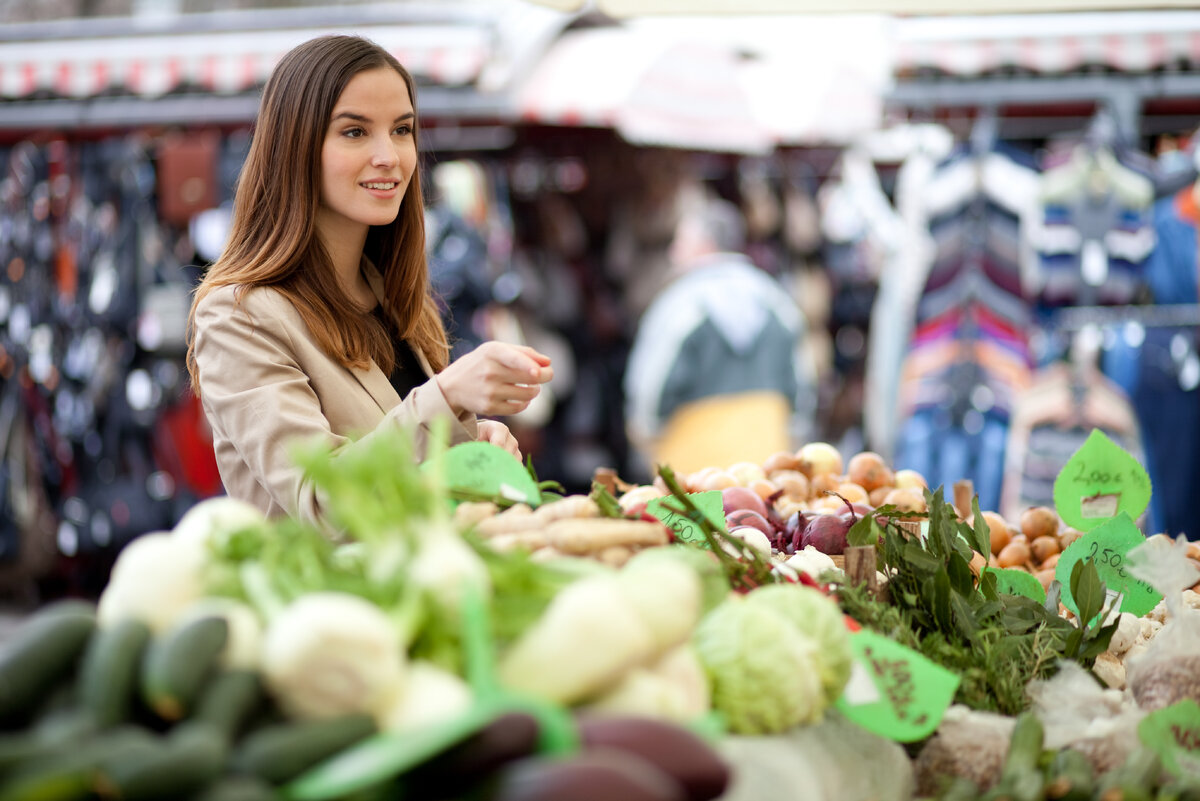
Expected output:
(317, 319)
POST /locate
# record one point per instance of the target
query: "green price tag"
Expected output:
(1174, 734)
(1107, 547)
(487, 469)
(1017, 582)
(894, 691)
(1098, 482)
(686, 530)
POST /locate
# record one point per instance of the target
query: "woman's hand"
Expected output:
(497, 433)
(495, 379)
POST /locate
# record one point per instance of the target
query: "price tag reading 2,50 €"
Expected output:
(1100, 481)
(1107, 546)
(686, 530)
(894, 691)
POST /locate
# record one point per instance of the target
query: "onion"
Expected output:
(1015, 554)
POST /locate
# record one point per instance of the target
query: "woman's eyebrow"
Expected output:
(350, 115)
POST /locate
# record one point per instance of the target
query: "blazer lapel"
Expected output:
(373, 380)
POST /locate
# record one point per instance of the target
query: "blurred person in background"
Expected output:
(716, 373)
(318, 320)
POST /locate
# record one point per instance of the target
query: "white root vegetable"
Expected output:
(154, 579)
(584, 642)
(445, 565)
(431, 695)
(330, 654)
(667, 595)
(673, 688)
(586, 535)
(572, 506)
(215, 518)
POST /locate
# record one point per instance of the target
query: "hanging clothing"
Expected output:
(1096, 232)
(1166, 393)
(968, 354)
(1051, 420)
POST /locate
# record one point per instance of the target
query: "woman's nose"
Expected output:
(384, 154)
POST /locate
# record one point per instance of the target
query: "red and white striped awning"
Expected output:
(652, 89)
(220, 63)
(1048, 44)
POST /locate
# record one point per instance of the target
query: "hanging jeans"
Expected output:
(945, 453)
(1169, 416)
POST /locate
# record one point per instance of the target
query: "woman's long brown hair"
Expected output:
(273, 239)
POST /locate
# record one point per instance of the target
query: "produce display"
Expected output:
(432, 637)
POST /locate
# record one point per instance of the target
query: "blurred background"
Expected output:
(988, 221)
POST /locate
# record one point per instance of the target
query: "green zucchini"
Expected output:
(65, 774)
(42, 652)
(177, 663)
(108, 677)
(229, 700)
(279, 753)
(184, 761)
(237, 788)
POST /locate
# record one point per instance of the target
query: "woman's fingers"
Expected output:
(498, 434)
(496, 378)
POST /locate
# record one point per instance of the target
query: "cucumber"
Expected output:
(176, 664)
(41, 653)
(64, 774)
(282, 752)
(185, 761)
(236, 788)
(108, 677)
(228, 700)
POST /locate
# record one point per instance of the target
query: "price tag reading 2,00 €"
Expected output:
(686, 530)
(1098, 482)
(894, 691)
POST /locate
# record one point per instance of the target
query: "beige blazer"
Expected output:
(264, 382)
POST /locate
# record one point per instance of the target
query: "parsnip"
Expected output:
(588, 535)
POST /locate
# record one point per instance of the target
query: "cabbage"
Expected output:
(762, 668)
(818, 616)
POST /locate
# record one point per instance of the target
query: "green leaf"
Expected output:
(1087, 590)
(987, 586)
(1098, 644)
(920, 559)
(941, 595)
(1074, 641)
(964, 618)
(961, 577)
(982, 532)
(864, 532)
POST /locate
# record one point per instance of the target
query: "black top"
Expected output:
(407, 372)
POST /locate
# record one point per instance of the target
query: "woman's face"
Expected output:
(368, 156)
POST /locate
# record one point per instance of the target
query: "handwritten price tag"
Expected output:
(488, 469)
(1108, 546)
(1099, 482)
(685, 529)
(894, 691)
(1174, 734)
(1017, 582)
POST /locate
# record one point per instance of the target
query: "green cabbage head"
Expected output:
(818, 616)
(762, 668)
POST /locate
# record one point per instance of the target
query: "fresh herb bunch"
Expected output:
(744, 567)
(996, 642)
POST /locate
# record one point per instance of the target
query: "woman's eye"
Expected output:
(353, 133)
(403, 130)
